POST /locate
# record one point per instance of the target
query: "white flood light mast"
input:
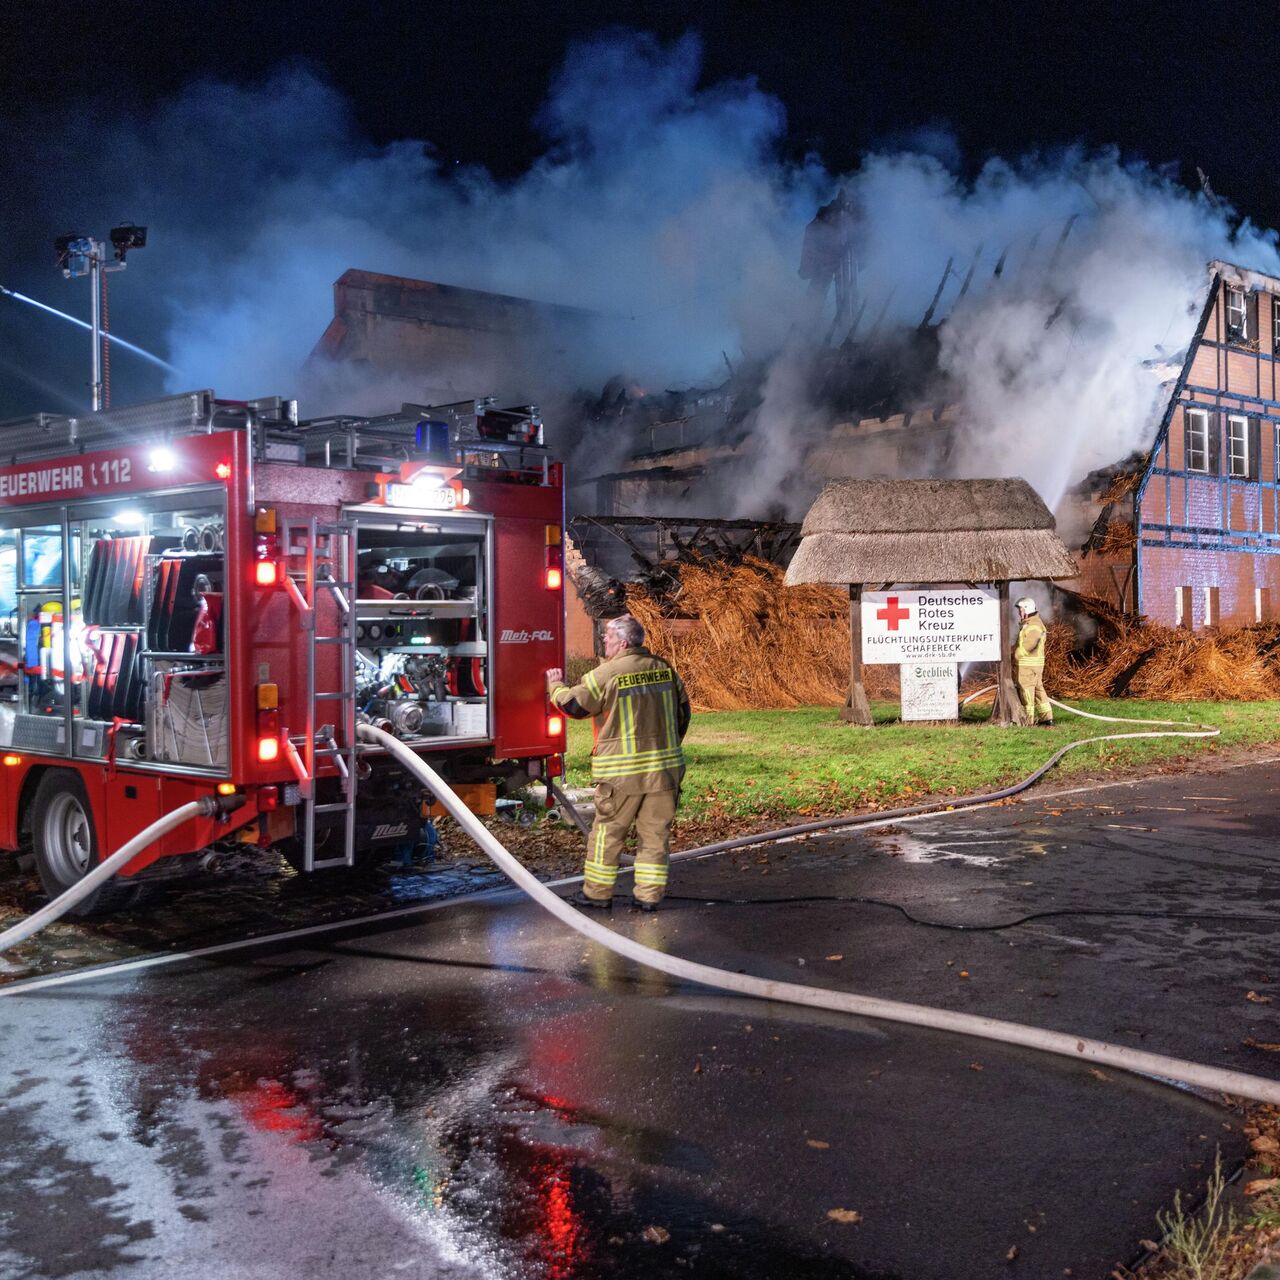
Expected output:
(84, 256)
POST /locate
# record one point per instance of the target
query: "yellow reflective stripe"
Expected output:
(647, 753)
(674, 755)
(651, 754)
(634, 771)
(590, 681)
(651, 874)
(628, 769)
(627, 714)
(595, 875)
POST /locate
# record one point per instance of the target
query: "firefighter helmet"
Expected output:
(1026, 604)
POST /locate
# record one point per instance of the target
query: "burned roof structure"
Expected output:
(900, 531)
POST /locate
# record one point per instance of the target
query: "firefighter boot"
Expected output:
(580, 899)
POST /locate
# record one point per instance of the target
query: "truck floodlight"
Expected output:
(126, 237)
(555, 726)
(223, 471)
(162, 459)
(12, 760)
(555, 578)
(266, 573)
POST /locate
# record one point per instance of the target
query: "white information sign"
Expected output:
(945, 624)
(930, 691)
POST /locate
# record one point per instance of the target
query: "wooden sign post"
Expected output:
(1008, 704)
(856, 710)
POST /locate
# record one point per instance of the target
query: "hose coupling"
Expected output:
(219, 806)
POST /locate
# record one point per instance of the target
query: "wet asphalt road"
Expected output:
(478, 1094)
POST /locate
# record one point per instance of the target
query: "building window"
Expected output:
(1262, 604)
(1238, 446)
(1237, 316)
(1182, 608)
(1211, 616)
(1275, 325)
(1198, 440)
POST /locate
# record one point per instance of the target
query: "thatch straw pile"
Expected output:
(1125, 485)
(759, 643)
(1118, 538)
(743, 640)
(1131, 660)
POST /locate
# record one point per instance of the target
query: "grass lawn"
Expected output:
(774, 763)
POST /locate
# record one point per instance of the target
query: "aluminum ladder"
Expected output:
(329, 565)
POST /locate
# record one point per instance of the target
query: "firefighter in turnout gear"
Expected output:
(641, 713)
(1029, 657)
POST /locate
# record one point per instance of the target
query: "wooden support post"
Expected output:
(1008, 705)
(856, 710)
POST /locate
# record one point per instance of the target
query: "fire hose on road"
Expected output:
(206, 807)
(1077, 1047)
(1193, 1074)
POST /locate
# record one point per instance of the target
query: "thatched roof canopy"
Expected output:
(874, 531)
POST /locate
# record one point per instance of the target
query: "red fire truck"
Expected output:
(206, 596)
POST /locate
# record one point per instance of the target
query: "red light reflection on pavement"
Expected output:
(271, 1107)
(560, 1227)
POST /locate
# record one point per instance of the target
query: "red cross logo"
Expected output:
(893, 613)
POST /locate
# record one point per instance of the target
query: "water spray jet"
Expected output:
(115, 341)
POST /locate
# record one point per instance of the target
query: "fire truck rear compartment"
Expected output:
(422, 628)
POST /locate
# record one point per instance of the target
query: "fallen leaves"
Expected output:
(1256, 998)
(817, 1144)
(844, 1215)
(1265, 1045)
(1265, 1143)
(1259, 1185)
(656, 1235)
(835, 957)
(1098, 1075)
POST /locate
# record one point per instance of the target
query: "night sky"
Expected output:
(1181, 84)
(1186, 83)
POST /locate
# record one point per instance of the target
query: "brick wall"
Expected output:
(1235, 574)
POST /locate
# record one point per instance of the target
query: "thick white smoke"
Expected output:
(1085, 279)
(657, 205)
(664, 206)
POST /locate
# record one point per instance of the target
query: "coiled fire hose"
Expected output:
(1078, 1047)
(206, 807)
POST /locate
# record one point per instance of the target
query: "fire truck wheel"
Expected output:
(66, 845)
